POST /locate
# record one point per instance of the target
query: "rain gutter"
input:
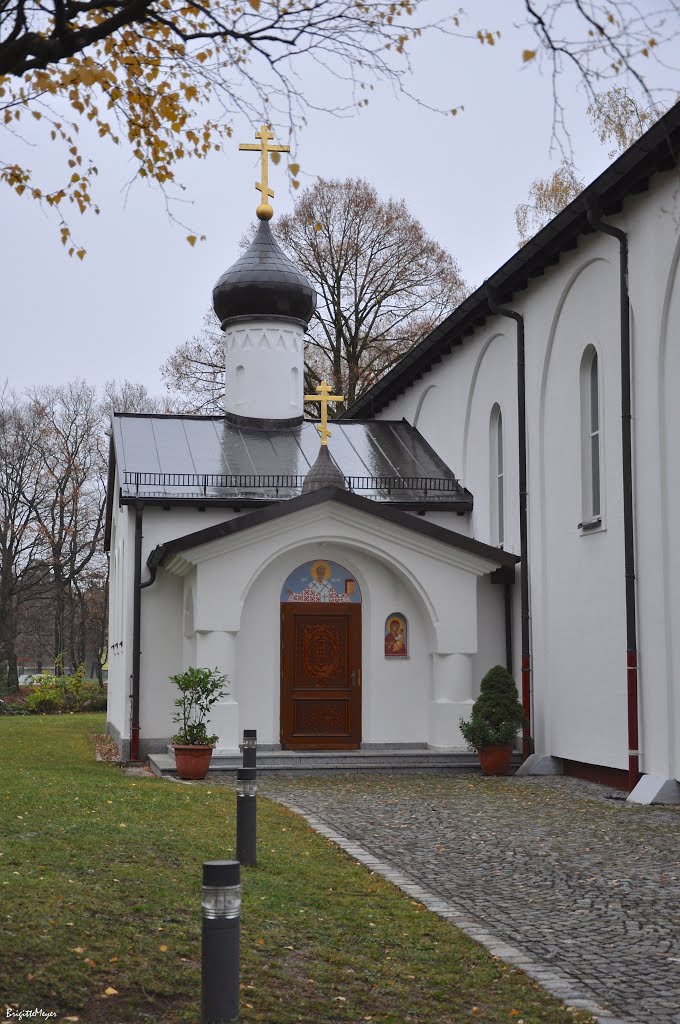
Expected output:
(527, 740)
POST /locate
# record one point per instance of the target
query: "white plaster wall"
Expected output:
(490, 630)
(395, 693)
(577, 582)
(659, 549)
(451, 407)
(580, 621)
(236, 604)
(158, 651)
(117, 688)
(161, 644)
(493, 382)
(459, 523)
(264, 368)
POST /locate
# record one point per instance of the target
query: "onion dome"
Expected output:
(324, 473)
(264, 282)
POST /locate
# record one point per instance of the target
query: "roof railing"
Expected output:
(207, 482)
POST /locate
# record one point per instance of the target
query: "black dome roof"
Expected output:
(324, 473)
(264, 281)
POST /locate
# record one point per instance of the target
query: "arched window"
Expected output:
(294, 397)
(497, 464)
(239, 385)
(590, 436)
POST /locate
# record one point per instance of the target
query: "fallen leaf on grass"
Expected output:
(89, 962)
(77, 949)
(110, 991)
(163, 949)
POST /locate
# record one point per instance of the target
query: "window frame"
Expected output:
(592, 449)
(497, 477)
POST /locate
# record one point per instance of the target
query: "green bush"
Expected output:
(200, 688)
(497, 714)
(48, 696)
(63, 694)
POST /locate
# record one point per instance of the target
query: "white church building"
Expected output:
(507, 493)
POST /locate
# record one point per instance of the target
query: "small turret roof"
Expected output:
(324, 473)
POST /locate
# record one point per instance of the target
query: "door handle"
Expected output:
(355, 677)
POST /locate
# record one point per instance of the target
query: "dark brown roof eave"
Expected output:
(657, 150)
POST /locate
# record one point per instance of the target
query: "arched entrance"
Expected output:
(320, 658)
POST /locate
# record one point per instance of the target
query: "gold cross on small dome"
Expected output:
(324, 396)
(264, 211)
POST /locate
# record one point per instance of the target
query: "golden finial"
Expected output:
(324, 396)
(264, 211)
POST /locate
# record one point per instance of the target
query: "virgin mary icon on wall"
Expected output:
(396, 636)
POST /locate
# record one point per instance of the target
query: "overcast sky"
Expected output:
(141, 290)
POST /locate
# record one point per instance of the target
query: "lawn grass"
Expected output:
(100, 877)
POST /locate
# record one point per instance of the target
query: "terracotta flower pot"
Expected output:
(192, 760)
(495, 759)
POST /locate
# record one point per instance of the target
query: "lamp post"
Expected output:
(249, 748)
(221, 937)
(246, 816)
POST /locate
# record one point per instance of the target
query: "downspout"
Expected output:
(628, 520)
(507, 602)
(527, 740)
(136, 634)
(138, 586)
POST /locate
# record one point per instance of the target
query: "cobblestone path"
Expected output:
(582, 882)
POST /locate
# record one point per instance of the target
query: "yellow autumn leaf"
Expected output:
(255, 4)
(294, 169)
(276, 157)
(163, 949)
(191, 239)
(528, 55)
(110, 991)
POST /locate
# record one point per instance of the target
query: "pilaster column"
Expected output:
(217, 649)
(451, 699)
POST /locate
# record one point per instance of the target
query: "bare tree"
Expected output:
(547, 196)
(194, 373)
(70, 516)
(599, 41)
(21, 545)
(619, 119)
(129, 396)
(382, 284)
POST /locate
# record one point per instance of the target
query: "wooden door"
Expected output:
(320, 676)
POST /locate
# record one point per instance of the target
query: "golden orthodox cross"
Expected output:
(264, 211)
(324, 396)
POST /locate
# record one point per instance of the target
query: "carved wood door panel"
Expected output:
(320, 676)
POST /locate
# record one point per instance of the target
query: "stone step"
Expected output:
(356, 760)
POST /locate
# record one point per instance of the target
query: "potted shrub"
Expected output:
(496, 717)
(200, 688)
